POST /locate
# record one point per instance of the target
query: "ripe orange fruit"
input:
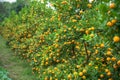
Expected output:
(88, 51)
(109, 53)
(96, 51)
(108, 59)
(84, 71)
(91, 35)
(96, 67)
(78, 66)
(55, 68)
(97, 58)
(46, 63)
(90, 64)
(82, 30)
(69, 76)
(115, 66)
(110, 79)
(56, 79)
(109, 49)
(75, 73)
(113, 59)
(89, 5)
(112, 5)
(101, 76)
(83, 77)
(51, 78)
(47, 59)
(64, 2)
(74, 20)
(109, 73)
(77, 47)
(46, 78)
(81, 12)
(102, 45)
(109, 24)
(92, 28)
(80, 73)
(106, 70)
(87, 32)
(118, 63)
(114, 21)
(116, 38)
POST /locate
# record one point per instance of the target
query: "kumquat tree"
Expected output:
(67, 39)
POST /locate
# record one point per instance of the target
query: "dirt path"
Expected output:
(18, 69)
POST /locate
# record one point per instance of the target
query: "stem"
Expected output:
(73, 49)
(87, 56)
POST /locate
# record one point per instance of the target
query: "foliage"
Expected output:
(71, 39)
(3, 74)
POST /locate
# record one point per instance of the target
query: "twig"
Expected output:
(87, 56)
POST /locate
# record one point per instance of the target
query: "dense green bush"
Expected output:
(71, 40)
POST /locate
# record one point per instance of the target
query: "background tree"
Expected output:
(6, 8)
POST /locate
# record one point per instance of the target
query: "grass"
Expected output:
(18, 69)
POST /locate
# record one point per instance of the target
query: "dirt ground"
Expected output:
(18, 69)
